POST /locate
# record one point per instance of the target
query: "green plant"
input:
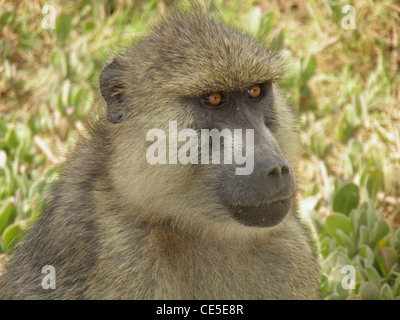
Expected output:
(356, 235)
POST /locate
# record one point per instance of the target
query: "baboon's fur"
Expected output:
(116, 227)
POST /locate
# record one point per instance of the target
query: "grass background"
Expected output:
(344, 84)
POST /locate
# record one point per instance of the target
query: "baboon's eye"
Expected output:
(214, 99)
(254, 92)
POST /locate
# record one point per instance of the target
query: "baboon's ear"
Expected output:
(111, 89)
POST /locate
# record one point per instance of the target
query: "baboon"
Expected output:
(117, 227)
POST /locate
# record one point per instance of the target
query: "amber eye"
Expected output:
(254, 91)
(214, 99)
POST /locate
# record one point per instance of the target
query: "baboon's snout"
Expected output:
(275, 174)
(268, 193)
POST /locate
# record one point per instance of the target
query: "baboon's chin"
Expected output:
(264, 215)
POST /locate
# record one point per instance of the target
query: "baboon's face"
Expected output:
(211, 77)
(264, 196)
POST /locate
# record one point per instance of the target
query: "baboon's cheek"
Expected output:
(264, 215)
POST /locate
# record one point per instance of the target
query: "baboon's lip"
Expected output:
(263, 215)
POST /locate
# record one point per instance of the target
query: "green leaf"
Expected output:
(24, 135)
(359, 218)
(396, 286)
(369, 291)
(351, 117)
(63, 27)
(59, 61)
(373, 276)
(387, 260)
(342, 293)
(371, 215)
(320, 145)
(8, 212)
(386, 292)
(324, 288)
(367, 254)
(380, 230)
(346, 199)
(12, 138)
(363, 214)
(7, 18)
(335, 222)
(89, 26)
(347, 165)
(364, 236)
(345, 131)
(346, 242)
(324, 247)
(356, 148)
(374, 182)
(267, 23)
(12, 235)
(395, 240)
(309, 66)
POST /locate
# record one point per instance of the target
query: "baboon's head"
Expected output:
(194, 70)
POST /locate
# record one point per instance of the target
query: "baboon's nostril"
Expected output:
(273, 171)
(285, 169)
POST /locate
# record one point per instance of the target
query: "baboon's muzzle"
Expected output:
(272, 188)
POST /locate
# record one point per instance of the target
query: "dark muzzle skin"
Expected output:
(272, 185)
(264, 215)
(264, 197)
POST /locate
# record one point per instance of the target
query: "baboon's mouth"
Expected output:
(263, 215)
